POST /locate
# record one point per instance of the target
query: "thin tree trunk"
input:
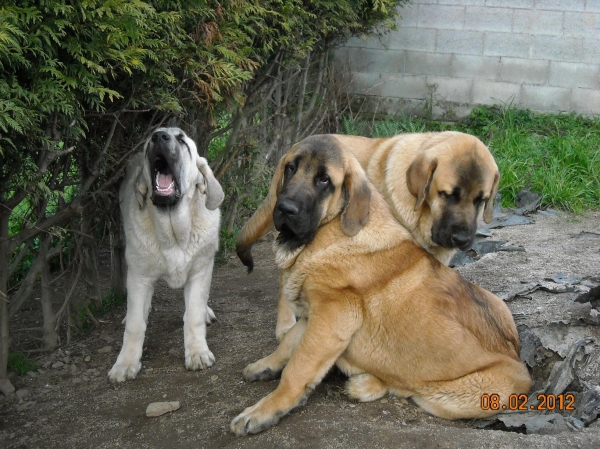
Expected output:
(50, 336)
(4, 256)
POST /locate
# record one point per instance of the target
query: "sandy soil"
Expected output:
(73, 405)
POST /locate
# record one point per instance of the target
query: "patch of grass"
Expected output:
(20, 364)
(226, 245)
(556, 155)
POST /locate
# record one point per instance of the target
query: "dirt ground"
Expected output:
(69, 402)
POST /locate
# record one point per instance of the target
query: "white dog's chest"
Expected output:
(163, 252)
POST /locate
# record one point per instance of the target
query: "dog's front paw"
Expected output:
(253, 420)
(210, 316)
(259, 371)
(120, 372)
(199, 360)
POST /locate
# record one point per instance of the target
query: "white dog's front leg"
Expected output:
(139, 298)
(197, 354)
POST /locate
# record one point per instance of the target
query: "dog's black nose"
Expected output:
(161, 135)
(287, 207)
(461, 239)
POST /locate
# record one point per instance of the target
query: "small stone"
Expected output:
(404, 401)
(213, 378)
(149, 370)
(384, 401)
(160, 408)
(87, 358)
(44, 390)
(28, 424)
(58, 365)
(31, 374)
(164, 396)
(22, 393)
(47, 363)
(67, 360)
(41, 371)
(85, 379)
(77, 380)
(105, 349)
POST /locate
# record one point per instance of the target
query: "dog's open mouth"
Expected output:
(164, 181)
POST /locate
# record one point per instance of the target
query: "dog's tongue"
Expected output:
(165, 180)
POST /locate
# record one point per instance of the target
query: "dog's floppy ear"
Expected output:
(261, 221)
(358, 199)
(140, 187)
(214, 191)
(418, 178)
(488, 212)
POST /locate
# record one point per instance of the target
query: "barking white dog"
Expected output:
(172, 235)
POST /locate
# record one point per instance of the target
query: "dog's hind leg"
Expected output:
(195, 292)
(365, 387)
(139, 298)
(462, 398)
(269, 367)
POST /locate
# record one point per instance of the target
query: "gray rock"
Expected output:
(58, 365)
(22, 393)
(105, 349)
(160, 408)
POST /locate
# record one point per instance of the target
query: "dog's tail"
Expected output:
(261, 221)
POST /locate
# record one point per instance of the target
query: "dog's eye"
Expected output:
(290, 168)
(323, 180)
(479, 200)
(181, 138)
(445, 195)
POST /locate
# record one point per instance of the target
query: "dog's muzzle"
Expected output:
(294, 221)
(164, 157)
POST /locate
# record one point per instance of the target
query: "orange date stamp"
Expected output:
(520, 402)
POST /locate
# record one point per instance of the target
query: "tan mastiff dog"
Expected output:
(371, 300)
(438, 185)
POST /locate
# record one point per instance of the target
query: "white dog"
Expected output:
(173, 235)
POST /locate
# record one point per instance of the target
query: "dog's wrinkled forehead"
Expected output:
(468, 172)
(318, 153)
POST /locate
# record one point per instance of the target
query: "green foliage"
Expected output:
(19, 363)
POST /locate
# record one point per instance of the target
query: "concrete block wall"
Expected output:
(448, 56)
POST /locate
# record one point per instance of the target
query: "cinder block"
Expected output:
(507, 44)
(370, 60)
(586, 101)
(558, 48)
(407, 16)
(538, 22)
(459, 41)
(582, 24)
(591, 49)
(592, 5)
(404, 86)
(545, 98)
(441, 16)
(462, 2)
(423, 63)
(561, 5)
(451, 89)
(520, 4)
(518, 70)
(494, 92)
(489, 19)
(366, 83)
(477, 67)
(409, 38)
(574, 74)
